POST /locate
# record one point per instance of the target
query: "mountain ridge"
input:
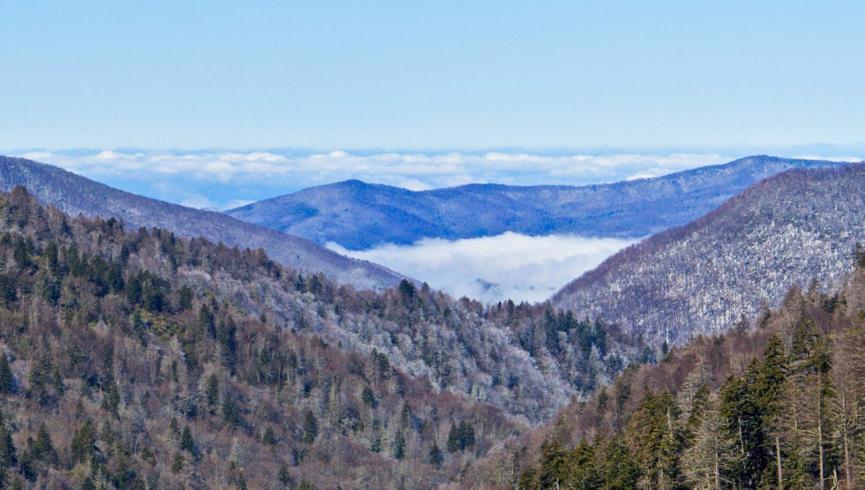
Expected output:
(701, 278)
(75, 194)
(358, 215)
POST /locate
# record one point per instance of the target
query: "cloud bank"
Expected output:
(222, 179)
(490, 269)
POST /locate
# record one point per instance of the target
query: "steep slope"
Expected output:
(77, 195)
(136, 357)
(791, 229)
(357, 215)
(518, 358)
(744, 410)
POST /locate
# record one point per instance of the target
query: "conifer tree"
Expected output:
(8, 455)
(187, 443)
(7, 382)
(436, 457)
(310, 427)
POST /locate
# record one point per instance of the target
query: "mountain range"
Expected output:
(794, 229)
(78, 195)
(455, 345)
(357, 215)
(140, 358)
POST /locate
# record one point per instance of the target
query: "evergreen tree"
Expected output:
(619, 468)
(310, 427)
(436, 456)
(187, 443)
(84, 442)
(657, 440)
(554, 465)
(42, 447)
(177, 464)
(8, 455)
(461, 437)
(231, 411)
(399, 446)
(212, 390)
(7, 382)
(206, 321)
(809, 399)
(226, 335)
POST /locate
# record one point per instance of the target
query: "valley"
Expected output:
(384, 384)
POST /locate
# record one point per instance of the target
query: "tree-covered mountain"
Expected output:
(777, 407)
(134, 358)
(358, 215)
(77, 195)
(703, 278)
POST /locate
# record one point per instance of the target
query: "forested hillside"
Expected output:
(134, 358)
(77, 195)
(790, 230)
(778, 407)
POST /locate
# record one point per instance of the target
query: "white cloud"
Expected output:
(224, 176)
(199, 202)
(412, 170)
(511, 265)
(414, 185)
(843, 159)
(236, 203)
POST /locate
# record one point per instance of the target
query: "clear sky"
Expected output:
(438, 74)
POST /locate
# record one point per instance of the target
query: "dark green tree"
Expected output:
(460, 437)
(84, 442)
(212, 390)
(7, 382)
(187, 443)
(399, 446)
(436, 456)
(310, 427)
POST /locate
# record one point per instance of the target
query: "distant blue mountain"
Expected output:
(358, 215)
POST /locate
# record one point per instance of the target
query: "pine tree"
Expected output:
(42, 448)
(310, 427)
(554, 465)
(226, 334)
(8, 455)
(84, 442)
(584, 472)
(212, 390)
(436, 456)
(809, 400)
(656, 440)
(177, 465)
(7, 382)
(187, 443)
(284, 476)
(619, 468)
(231, 411)
(461, 437)
(744, 423)
(399, 446)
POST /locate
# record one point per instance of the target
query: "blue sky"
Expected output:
(430, 75)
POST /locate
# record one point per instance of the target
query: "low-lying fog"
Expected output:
(490, 269)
